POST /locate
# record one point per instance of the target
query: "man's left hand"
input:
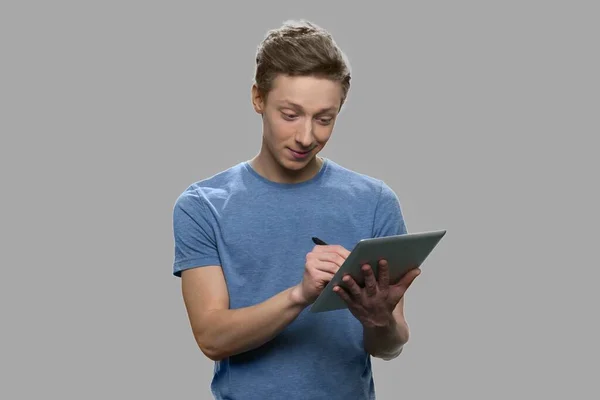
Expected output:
(373, 304)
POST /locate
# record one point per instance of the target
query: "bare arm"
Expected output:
(221, 332)
(379, 307)
(387, 342)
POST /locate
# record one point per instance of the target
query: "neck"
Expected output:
(266, 165)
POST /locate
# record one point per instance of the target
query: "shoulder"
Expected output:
(374, 191)
(211, 190)
(359, 182)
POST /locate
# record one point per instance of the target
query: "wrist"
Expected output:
(393, 330)
(382, 324)
(297, 298)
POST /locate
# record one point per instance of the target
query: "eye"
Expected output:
(288, 117)
(325, 121)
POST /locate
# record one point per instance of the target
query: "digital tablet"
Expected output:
(402, 252)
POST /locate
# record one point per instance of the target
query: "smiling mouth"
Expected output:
(300, 155)
(302, 152)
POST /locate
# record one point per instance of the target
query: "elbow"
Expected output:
(210, 349)
(210, 339)
(212, 353)
(387, 356)
(394, 355)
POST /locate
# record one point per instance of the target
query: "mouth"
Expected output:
(300, 154)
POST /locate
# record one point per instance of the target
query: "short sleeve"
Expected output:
(388, 220)
(194, 235)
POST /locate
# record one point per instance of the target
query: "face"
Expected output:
(298, 119)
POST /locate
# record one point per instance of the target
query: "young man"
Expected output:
(243, 246)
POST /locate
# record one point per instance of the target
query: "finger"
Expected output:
(326, 266)
(370, 282)
(332, 257)
(408, 278)
(353, 287)
(329, 256)
(415, 273)
(323, 261)
(332, 248)
(384, 275)
(318, 248)
(343, 294)
(321, 278)
(342, 251)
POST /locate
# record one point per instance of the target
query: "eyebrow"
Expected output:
(299, 107)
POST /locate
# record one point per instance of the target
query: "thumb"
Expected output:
(408, 278)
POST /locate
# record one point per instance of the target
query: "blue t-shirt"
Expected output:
(259, 232)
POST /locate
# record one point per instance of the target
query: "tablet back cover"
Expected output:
(403, 252)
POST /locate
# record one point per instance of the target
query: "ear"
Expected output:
(257, 100)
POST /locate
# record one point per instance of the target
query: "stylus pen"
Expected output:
(318, 241)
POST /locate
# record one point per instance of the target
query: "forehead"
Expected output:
(309, 92)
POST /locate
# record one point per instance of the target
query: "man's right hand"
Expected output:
(321, 265)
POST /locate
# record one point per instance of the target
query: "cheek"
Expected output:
(322, 133)
(281, 129)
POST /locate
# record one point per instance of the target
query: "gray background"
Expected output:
(482, 116)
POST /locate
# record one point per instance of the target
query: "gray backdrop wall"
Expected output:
(482, 116)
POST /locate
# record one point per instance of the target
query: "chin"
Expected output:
(295, 165)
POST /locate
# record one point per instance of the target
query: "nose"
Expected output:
(304, 136)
